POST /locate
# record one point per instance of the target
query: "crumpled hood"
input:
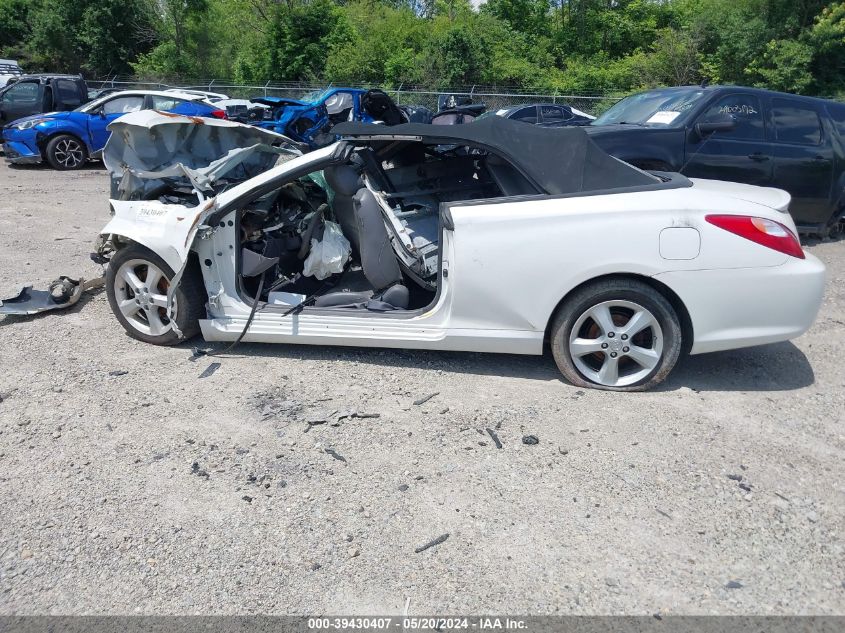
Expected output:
(149, 151)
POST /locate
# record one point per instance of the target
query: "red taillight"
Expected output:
(763, 231)
(219, 114)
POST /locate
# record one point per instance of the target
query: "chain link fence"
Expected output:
(493, 97)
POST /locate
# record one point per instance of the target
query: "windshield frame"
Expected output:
(695, 96)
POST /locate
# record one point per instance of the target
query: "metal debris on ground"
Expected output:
(495, 438)
(436, 541)
(213, 367)
(118, 372)
(425, 399)
(734, 584)
(666, 514)
(354, 413)
(336, 455)
(62, 293)
(530, 440)
(735, 477)
(199, 352)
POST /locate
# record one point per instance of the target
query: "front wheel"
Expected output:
(137, 282)
(66, 152)
(618, 335)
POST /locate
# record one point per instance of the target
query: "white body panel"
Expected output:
(509, 263)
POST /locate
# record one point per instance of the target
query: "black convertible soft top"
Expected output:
(558, 160)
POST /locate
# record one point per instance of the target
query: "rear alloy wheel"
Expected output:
(619, 335)
(66, 152)
(137, 283)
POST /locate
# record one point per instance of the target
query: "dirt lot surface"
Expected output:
(130, 484)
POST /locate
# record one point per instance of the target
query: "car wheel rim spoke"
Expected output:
(156, 325)
(584, 346)
(616, 343)
(132, 279)
(129, 307)
(609, 372)
(645, 358)
(640, 321)
(601, 315)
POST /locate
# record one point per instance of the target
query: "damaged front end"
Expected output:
(166, 171)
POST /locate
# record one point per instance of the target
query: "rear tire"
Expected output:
(617, 335)
(137, 281)
(65, 152)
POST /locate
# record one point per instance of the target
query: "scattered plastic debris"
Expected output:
(118, 372)
(432, 543)
(530, 440)
(62, 293)
(425, 399)
(213, 367)
(734, 584)
(495, 438)
(336, 455)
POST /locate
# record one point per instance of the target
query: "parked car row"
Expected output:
(745, 135)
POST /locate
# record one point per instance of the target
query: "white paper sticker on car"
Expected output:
(663, 116)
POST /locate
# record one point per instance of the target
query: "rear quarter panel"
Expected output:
(512, 262)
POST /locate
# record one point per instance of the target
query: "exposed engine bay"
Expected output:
(364, 234)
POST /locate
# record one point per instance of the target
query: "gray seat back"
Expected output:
(345, 182)
(376, 253)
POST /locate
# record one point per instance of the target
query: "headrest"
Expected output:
(343, 179)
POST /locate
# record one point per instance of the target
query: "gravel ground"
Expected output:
(131, 485)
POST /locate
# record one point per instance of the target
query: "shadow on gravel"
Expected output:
(776, 367)
(510, 365)
(89, 166)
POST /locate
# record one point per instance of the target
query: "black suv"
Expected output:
(34, 94)
(739, 134)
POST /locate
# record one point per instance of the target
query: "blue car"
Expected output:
(66, 140)
(309, 120)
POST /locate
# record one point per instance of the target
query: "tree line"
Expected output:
(566, 46)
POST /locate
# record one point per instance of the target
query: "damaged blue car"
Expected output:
(66, 140)
(310, 119)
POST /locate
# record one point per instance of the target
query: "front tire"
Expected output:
(66, 152)
(617, 335)
(137, 281)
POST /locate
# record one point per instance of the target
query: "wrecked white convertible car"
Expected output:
(493, 237)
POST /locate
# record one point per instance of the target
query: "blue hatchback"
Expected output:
(66, 140)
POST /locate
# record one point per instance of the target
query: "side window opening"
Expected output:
(378, 215)
(555, 113)
(165, 104)
(67, 94)
(526, 115)
(122, 105)
(796, 123)
(23, 93)
(746, 112)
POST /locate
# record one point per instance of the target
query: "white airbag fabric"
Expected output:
(329, 255)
